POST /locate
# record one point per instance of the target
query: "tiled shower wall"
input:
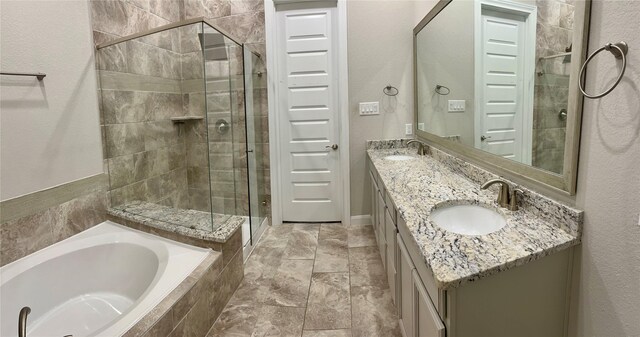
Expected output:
(174, 182)
(243, 20)
(554, 35)
(141, 91)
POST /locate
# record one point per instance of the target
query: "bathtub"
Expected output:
(97, 283)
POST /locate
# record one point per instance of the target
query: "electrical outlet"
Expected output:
(369, 108)
(456, 105)
(421, 126)
(408, 129)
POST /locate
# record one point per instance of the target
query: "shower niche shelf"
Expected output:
(184, 119)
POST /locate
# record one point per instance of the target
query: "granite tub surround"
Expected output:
(188, 222)
(417, 186)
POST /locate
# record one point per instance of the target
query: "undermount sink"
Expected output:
(398, 157)
(468, 219)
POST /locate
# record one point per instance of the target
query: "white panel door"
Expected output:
(503, 46)
(308, 115)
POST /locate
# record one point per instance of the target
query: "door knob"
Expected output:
(483, 138)
(333, 147)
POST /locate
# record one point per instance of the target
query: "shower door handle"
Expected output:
(333, 147)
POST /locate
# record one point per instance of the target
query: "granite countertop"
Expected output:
(193, 223)
(416, 186)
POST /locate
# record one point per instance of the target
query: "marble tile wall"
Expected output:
(26, 235)
(554, 35)
(244, 21)
(196, 131)
(174, 55)
(144, 151)
(222, 107)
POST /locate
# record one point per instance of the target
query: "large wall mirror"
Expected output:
(496, 81)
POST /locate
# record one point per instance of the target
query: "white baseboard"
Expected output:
(364, 219)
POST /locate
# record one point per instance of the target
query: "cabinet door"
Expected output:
(381, 210)
(382, 242)
(405, 290)
(390, 228)
(427, 320)
(374, 205)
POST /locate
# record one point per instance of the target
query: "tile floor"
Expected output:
(312, 280)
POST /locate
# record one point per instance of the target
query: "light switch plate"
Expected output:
(369, 108)
(456, 105)
(408, 129)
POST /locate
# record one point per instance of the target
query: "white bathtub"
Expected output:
(97, 283)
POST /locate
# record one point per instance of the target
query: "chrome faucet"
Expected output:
(421, 146)
(507, 196)
(22, 321)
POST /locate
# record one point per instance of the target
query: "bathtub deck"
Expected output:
(312, 280)
(203, 225)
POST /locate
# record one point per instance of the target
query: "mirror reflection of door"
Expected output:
(505, 63)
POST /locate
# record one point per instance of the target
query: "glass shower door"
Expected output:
(255, 121)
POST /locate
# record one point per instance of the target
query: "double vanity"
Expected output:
(467, 252)
(459, 263)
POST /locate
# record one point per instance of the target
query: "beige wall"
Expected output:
(451, 65)
(49, 130)
(380, 52)
(608, 292)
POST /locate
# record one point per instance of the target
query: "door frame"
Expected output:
(531, 17)
(274, 121)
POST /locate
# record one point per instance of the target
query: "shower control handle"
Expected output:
(333, 147)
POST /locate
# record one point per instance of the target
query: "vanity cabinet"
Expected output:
(383, 217)
(529, 301)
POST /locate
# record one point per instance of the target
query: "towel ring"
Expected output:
(440, 87)
(390, 90)
(619, 50)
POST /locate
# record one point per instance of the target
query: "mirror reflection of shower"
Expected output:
(563, 58)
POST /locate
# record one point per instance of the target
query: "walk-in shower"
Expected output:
(182, 127)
